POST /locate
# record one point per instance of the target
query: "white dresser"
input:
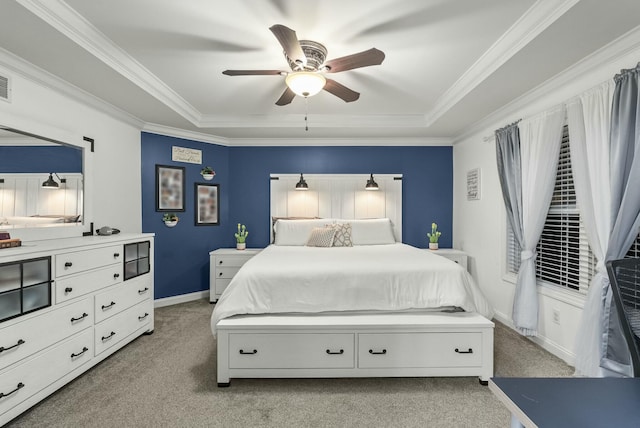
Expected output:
(65, 305)
(223, 265)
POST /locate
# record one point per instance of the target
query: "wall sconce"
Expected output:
(302, 185)
(51, 183)
(371, 184)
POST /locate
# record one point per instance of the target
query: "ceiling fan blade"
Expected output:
(341, 91)
(287, 96)
(289, 41)
(372, 56)
(252, 72)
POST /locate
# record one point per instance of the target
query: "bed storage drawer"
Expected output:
(25, 380)
(299, 351)
(73, 286)
(118, 327)
(420, 350)
(69, 263)
(28, 337)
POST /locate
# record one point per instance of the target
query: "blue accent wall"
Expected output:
(40, 159)
(182, 252)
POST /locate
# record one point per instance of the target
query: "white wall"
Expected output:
(480, 226)
(114, 180)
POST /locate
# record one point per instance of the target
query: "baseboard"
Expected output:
(542, 341)
(183, 298)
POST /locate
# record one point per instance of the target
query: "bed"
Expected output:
(375, 308)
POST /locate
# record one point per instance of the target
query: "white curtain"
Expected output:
(540, 139)
(589, 118)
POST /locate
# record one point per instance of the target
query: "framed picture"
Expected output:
(473, 184)
(169, 188)
(207, 204)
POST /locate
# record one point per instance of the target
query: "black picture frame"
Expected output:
(170, 188)
(207, 204)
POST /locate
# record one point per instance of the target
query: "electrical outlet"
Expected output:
(556, 316)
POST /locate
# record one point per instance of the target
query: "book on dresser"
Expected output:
(66, 305)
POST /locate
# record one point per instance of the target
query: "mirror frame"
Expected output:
(58, 136)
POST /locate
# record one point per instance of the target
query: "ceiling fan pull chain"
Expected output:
(306, 113)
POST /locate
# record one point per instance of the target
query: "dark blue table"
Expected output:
(570, 402)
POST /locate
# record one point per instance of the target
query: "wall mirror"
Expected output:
(42, 186)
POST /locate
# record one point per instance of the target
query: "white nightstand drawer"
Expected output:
(420, 350)
(279, 351)
(232, 260)
(221, 285)
(226, 272)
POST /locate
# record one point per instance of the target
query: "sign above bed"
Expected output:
(340, 196)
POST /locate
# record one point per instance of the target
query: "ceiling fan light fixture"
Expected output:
(305, 83)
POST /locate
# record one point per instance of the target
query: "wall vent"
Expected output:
(5, 89)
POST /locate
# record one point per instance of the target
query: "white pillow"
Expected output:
(376, 231)
(296, 232)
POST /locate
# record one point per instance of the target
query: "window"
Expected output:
(563, 257)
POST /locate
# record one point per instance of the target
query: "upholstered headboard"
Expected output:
(338, 196)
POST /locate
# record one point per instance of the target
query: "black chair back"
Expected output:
(624, 275)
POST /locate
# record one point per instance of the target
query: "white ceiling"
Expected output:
(449, 63)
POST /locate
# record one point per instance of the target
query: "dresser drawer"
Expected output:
(232, 260)
(26, 379)
(121, 297)
(77, 285)
(30, 336)
(70, 263)
(297, 351)
(405, 350)
(226, 272)
(118, 327)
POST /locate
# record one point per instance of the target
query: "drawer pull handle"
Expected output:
(84, 349)
(19, 386)
(116, 275)
(104, 338)
(84, 315)
(220, 274)
(144, 290)
(242, 352)
(110, 305)
(20, 342)
(372, 352)
(220, 262)
(116, 255)
(143, 316)
(340, 352)
(68, 264)
(68, 290)
(470, 351)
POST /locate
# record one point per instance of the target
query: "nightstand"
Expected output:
(457, 256)
(223, 265)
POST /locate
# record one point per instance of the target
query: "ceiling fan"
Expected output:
(308, 67)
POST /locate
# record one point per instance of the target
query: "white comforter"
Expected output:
(395, 277)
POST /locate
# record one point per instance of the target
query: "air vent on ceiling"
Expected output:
(5, 90)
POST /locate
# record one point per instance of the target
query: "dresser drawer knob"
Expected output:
(105, 338)
(116, 255)
(84, 349)
(84, 315)
(68, 264)
(243, 352)
(372, 352)
(143, 316)
(116, 275)
(68, 290)
(220, 262)
(220, 274)
(20, 342)
(19, 386)
(110, 305)
(470, 351)
(144, 290)
(330, 352)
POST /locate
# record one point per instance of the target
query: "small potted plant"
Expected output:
(170, 219)
(241, 236)
(433, 237)
(207, 173)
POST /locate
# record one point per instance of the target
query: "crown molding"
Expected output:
(356, 141)
(169, 131)
(15, 64)
(324, 120)
(623, 46)
(65, 19)
(533, 22)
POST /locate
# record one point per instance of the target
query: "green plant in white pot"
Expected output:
(241, 237)
(170, 219)
(207, 173)
(433, 236)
